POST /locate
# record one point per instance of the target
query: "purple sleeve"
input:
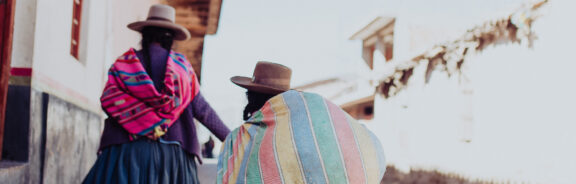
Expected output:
(204, 113)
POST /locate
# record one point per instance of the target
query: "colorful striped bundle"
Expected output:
(300, 137)
(131, 98)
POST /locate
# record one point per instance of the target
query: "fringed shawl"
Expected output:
(300, 137)
(131, 98)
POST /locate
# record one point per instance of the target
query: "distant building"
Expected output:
(354, 94)
(486, 104)
(479, 89)
(55, 56)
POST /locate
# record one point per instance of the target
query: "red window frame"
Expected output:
(76, 25)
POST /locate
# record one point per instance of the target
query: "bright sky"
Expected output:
(294, 33)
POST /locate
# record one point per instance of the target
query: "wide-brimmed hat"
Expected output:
(162, 16)
(269, 78)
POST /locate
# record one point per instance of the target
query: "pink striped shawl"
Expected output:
(130, 97)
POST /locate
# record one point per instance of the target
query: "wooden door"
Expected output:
(6, 29)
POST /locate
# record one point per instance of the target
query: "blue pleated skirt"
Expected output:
(143, 161)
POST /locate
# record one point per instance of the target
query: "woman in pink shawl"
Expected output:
(152, 98)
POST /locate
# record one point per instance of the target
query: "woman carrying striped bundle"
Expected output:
(296, 137)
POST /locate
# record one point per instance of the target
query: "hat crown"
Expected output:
(162, 12)
(272, 74)
(162, 16)
(268, 78)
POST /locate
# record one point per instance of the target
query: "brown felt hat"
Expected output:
(269, 78)
(162, 16)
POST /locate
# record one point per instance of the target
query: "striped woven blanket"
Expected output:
(131, 98)
(300, 137)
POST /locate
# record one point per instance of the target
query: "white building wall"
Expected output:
(65, 121)
(514, 120)
(23, 34)
(55, 70)
(104, 37)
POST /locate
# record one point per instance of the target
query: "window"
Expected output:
(388, 47)
(384, 44)
(368, 56)
(368, 110)
(377, 38)
(361, 109)
(76, 23)
(378, 48)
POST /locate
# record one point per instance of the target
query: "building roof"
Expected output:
(378, 24)
(341, 90)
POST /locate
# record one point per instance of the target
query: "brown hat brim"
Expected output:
(246, 82)
(181, 32)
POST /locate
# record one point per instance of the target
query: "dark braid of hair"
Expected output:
(255, 102)
(163, 36)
